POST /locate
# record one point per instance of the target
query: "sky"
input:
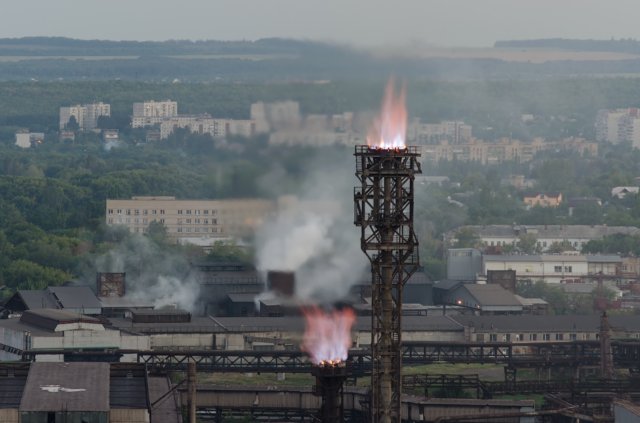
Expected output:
(445, 23)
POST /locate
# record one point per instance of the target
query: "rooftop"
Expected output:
(550, 231)
(555, 323)
(66, 387)
(491, 295)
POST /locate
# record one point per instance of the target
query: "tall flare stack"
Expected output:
(384, 207)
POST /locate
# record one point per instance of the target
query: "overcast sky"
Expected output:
(473, 23)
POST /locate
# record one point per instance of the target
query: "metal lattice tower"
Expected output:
(384, 211)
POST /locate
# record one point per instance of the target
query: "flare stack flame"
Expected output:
(327, 336)
(389, 130)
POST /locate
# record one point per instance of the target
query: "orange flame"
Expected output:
(327, 337)
(389, 130)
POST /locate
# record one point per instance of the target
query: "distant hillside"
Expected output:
(621, 46)
(60, 46)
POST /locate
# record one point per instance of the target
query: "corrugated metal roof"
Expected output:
(556, 323)
(47, 318)
(77, 297)
(267, 324)
(66, 387)
(124, 302)
(11, 389)
(549, 231)
(242, 297)
(35, 299)
(16, 325)
(491, 295)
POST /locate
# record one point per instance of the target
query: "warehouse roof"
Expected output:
(66, 387)
(75, 297)
(49, 319)
(549, 231)
(557, 323)
(267, 324)
(491, 295)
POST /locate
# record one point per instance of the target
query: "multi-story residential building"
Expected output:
(546, 235)
(275, 116)
(149, 113)
(555, 268)
(205, 124)
(502, 150)
(618, 125)
(86, 115)
(190, 218)
(455, 132)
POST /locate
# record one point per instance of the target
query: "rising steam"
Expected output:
(154, 275)
(315, 236)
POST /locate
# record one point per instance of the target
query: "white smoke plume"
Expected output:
(153, 274)
(315, 236)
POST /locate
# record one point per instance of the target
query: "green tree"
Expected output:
(560, 247)
(24, 274)
(528, 244)
(72, 124)
(467, 238)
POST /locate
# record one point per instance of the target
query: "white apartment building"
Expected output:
(149, 113)
(86, 115)
(190, 218)
(618, 125)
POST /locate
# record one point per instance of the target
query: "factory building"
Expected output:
(83, 392)
(546, 235)
(46, 329)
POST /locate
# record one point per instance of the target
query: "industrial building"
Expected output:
(546, 235)
(83, 392)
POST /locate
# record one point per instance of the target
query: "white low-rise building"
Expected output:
(545, 235)
(47, 329)
(555, 268)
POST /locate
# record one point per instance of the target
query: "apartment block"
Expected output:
(149, 113)
(502, 150)
(205, 124)
(454, 132)
(190, 218)
(86, 115)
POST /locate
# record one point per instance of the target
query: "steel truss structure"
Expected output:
(625, 354)
(384, 212)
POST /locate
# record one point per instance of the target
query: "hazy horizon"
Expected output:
(441, 23)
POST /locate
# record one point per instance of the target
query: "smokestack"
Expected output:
(191, 391)
(110, 284)
(329, 385)
(281, 282)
